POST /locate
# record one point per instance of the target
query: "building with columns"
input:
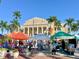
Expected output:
(38, 25)
(35, 26)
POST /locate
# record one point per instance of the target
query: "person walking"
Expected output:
(63, 45)
(6, 44)
(30, 46)
(55, 44)
(71, 49)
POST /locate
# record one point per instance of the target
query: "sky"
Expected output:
(63, 9)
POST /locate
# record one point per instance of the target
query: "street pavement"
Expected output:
(41, 55)
(46, 55)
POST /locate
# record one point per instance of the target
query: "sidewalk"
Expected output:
(60, 55)
(75, 56)
(48, 55)
(41, 55)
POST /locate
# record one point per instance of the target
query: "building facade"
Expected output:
(38, 25)
(35, 26)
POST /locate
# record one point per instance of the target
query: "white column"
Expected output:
(37, 30)
(32, 30)
(47, 30)
(23, 30)
(42, 29)
(28, 30)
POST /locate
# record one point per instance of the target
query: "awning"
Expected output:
(62, 35)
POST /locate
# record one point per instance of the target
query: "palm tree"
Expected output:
(3, 25)
(17, 15)
(58, 25)
(7, 28)
(14, 25)
(74, 27)
(55, 24)
(69, 22)
(77, 23)
(52, 19)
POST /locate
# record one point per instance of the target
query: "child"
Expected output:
(8, 55)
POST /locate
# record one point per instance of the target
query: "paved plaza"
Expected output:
(43, 56)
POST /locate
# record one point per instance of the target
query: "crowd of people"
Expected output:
(21, 46)
(63, 47)
(38, 45)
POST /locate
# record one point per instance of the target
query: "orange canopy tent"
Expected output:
(18, 36)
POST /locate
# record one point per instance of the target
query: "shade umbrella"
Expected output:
(77, 37)
(11, 35)
(18, 36)
(76, 34)
(62, 35)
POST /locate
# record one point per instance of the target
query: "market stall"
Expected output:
(70, 40)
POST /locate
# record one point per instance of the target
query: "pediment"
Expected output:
(36, 21)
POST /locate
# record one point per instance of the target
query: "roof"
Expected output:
(36, 21)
